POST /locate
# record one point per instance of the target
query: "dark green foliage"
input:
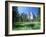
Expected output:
(20, 26)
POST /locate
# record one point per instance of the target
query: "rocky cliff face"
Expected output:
(30, 16)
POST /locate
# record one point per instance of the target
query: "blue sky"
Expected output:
(34, 10)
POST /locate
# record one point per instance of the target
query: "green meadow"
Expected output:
(26, 26)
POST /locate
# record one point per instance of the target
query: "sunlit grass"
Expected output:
(26, 25)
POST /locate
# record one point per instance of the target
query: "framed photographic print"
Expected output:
(24, 18)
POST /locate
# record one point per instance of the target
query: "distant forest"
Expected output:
(23, 17)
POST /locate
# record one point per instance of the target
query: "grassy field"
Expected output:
(26, 26)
